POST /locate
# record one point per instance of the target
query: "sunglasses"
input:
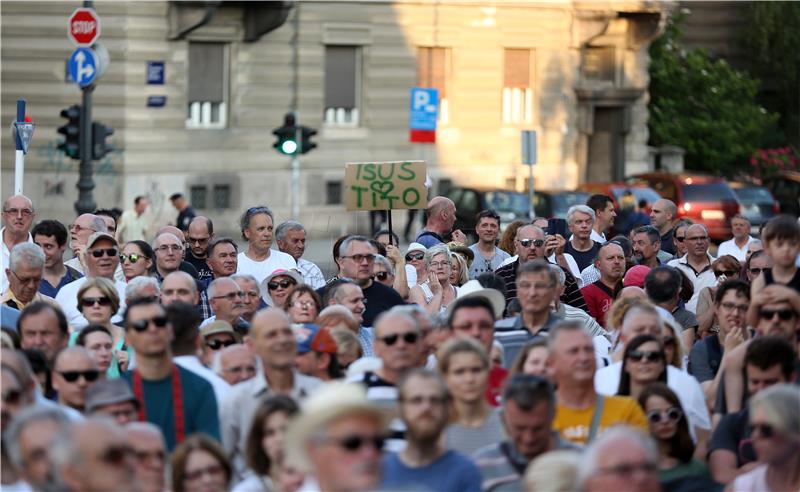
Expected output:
(218, 344)
(409, 338)
(758, 271)
(415, 256)
(526, 243)
(116, 455)
(95, 301)
(133, 257)
(72, 376)
(283, 284)
(382, 276)
(98, 253)
(142, 324)
(679, 238)
(769, 314)
(727, 273)
(354, 443)
(647, 356)
(673, 414)
(764, 430)
(12, 396)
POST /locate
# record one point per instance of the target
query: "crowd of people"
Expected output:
(534, 359)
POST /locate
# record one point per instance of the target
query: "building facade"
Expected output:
(576, 72)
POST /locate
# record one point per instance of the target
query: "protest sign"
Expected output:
(385, 185)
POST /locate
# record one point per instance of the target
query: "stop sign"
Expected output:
(84, 26)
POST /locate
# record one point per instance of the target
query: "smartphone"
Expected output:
(557, 226)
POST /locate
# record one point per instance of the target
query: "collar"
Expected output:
(2, 240)
(260, 385)
(684, 260)
(8, 295)
(613, 293)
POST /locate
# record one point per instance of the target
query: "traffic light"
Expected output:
(71, 131)
(287, 136)
(306, 145)
(100, 133)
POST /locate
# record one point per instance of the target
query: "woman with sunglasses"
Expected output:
(643, 362)
(276, 287)
(670, 429)
(136, 259)
(464, 365)
(303, 304)
(459, 273)
(415, 258)
(435, 293)
(264, 448)
(98, 301)
(775, 424)
(199, 464)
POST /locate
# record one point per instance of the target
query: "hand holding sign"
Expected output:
(385, 185)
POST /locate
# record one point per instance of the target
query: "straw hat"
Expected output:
(474, 288)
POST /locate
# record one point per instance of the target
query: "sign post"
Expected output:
(22, 131)
(528, 138)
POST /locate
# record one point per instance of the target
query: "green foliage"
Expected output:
(703, 105)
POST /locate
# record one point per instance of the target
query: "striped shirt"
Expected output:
(572, 294)
(467, 440)
(502, 466)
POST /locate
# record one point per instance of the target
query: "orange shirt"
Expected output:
(573, 425)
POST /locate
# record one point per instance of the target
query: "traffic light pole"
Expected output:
(296, 173)
(86, 203)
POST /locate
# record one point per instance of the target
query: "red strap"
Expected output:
(177, 400)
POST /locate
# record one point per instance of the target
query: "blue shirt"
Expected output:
(48, 290)
(452, 471)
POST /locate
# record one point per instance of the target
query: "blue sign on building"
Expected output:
(82, 66)
(424, 108)
(155, 73)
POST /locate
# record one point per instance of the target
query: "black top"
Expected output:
(733, 434)
(666, 242)
(184, 217)
(793, 283)
(379, 298)
(583, 258)
(203, 272)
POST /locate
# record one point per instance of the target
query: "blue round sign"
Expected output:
(83, 66)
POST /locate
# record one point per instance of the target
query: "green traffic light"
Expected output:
(289, 147)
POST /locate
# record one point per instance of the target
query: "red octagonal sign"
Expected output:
(84, 27)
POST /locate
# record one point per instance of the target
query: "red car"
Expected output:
(703, 199)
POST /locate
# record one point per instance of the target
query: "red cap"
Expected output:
(636, 275)
(323, 342)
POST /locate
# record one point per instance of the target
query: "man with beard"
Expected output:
(200, 233)
(646, 245)
(599, 295)
(425, 463)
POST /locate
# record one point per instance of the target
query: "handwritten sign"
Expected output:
(385, 185)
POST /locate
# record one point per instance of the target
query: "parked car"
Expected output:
(510, 205)
(617, 190)
(785, 187)
(757, 203)
(705, 199)
(556, 203)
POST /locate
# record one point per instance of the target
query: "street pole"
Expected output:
(295, 200)
(19, 156)
(296, 172)
(86, 203)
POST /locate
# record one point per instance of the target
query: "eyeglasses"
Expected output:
(95, 301)
(679, 238)
(526, 243)
(133, 257)
(72, 376)
(303, 304)
(231, 296)
(415, 256)
(759, 271)
(697, 238)
(142, 324)
(360, 258)
(382, 276)
(283, 284)
(409, 337)
(116, 455)
(764, 430)
(783, 314)
(212, 470)
(197, 240)
(727, 273)
(168, 247)
(12, 396)
(218, 344)
(730, 306)
(647, 356)
(27, 280)
(98, 253)
(354, 443)
(672, 414)
(628, 469)
(25, 212)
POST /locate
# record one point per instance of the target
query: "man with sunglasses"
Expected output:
(215, 337)
(101, 257)
(51, 236)
(768, 361)
(758, 263)
(198, 238)
(24, 274)
(175, 399)
(487, 255)
(696, 263)
(18, 215)
(74, 371)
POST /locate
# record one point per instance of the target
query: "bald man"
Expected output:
(74, 371)
(18, 215)
(441, 214)
(663, 216)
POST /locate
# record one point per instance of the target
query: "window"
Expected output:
(333, 192)
(198, 196)
(517, 90)
(598, 63)
(222, 196)
(433, 71)
(342, 85)
(207, 85)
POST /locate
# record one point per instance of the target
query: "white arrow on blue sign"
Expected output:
(83, 66)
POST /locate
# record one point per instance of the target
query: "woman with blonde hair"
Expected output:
(459, 273)
(555, 471)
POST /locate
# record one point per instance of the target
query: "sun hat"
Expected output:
(277, 273)
(473, 288)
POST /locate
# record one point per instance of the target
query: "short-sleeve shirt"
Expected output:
(573, 425)
(277, 260)
(452, 471)
(733, 434)
(583, 258)
(481, 264)
(379, 298)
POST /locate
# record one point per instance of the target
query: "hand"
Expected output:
(459, 236)
(123, 359)
(550, 245)
(394, 255)
(562, 243)
(735, 338)
(433, 282)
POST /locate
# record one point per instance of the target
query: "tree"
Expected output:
(703, 105)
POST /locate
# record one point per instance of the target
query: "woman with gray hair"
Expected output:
(775, 421)
(435, 293)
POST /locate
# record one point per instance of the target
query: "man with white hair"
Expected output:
(236, 363)
(226, 299)
(142, 288)
(151, 455)
(23, 274)
(622, 459)
(581, 246)
(18, 215)
(291, 239)
(84, 226)
(696, 263)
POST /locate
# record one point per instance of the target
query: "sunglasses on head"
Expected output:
(95, 301)
(98, 253)
(673, 414)
(283, 284)
(409, 338)
(783, 314)
(133, 257)
(218, 344)
(764, 430)
(526, 243)
(382, 276)
(354, 443)
(72, 376)
(648, 356)
(415, 256)
(142, 324)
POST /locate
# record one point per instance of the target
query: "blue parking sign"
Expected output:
(424, 108)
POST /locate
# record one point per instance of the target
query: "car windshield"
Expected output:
(508, 201)
(753, 194)
(562, 202)
(708, 192)
(647, 194)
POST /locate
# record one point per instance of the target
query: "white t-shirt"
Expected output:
(729, 248)
(276, 260)
(606, 381)
(67, 298)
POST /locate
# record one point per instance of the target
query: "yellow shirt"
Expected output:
(573, 425)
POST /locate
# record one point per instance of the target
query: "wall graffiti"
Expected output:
(55, 162)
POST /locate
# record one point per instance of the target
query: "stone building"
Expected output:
(574, 71)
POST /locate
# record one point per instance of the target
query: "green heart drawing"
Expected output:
(383, 188)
